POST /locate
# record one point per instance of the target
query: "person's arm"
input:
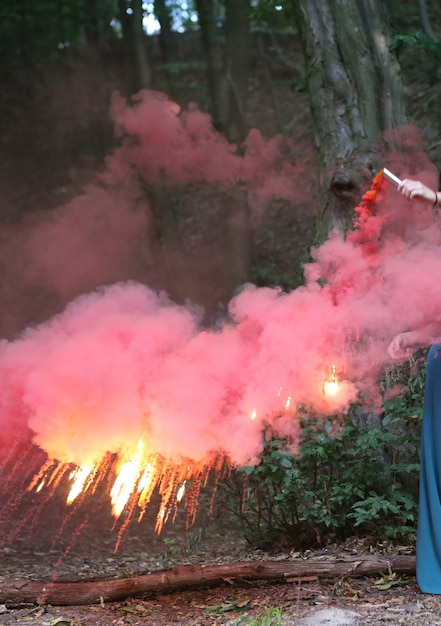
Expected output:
(415, 189)
(403, 344)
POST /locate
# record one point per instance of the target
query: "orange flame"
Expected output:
(134, 476)
(331, 386)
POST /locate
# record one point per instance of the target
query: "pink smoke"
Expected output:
(124, 363)
(105, 234)
(169, 146)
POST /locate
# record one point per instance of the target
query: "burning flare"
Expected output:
(79, 477)
(331, 386)
(133, 477)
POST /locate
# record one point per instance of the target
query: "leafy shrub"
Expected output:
(359, 477)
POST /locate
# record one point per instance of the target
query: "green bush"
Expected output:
(352, 475)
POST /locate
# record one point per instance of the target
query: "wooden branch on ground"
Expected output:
(190, 576)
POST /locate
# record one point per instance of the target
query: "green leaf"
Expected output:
(229, 605)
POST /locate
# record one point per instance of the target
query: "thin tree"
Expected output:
(137, 65)
(226, 42)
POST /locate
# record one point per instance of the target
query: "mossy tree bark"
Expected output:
(355, 91)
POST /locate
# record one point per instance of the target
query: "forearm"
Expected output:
(425, 335)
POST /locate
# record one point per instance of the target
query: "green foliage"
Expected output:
(172, 546)
(416, 39)
(389, 580)
(403, 388)
(269, 617)
(272, 14)
(181, 66)
(298, 85)
(352, 475)
(270, 275)
(229, 605)
(32, 33)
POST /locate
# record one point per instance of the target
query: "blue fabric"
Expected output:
(428, 547)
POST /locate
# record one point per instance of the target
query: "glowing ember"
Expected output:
(136, 472)
(331, 386)
(145, 479)
(133, 478)
(79, 476)
(181, 491)
(126, 481)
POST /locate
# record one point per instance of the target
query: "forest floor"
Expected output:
(332, 601)
(356, 602)
(56, 544)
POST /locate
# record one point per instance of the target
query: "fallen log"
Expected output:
(59, 593)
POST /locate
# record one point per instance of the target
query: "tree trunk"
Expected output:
(355, 92)
(91, 22)
(144, 73)
(168, 42)
(238, 45)
(137, 66)
(125, 19)
(214, 51)
(15, 592)
(238, 239)
(227, 63)
(227, 71)
(167, 37)
(425, 21)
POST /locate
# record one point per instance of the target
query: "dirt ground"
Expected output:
(235, 603)
(54, 546)
(400, 605)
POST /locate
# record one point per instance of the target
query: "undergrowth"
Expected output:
(352, 475)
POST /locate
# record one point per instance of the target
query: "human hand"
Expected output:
(400, 348)
(415, 189)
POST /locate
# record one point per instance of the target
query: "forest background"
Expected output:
(61, 63)
(259, 71)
